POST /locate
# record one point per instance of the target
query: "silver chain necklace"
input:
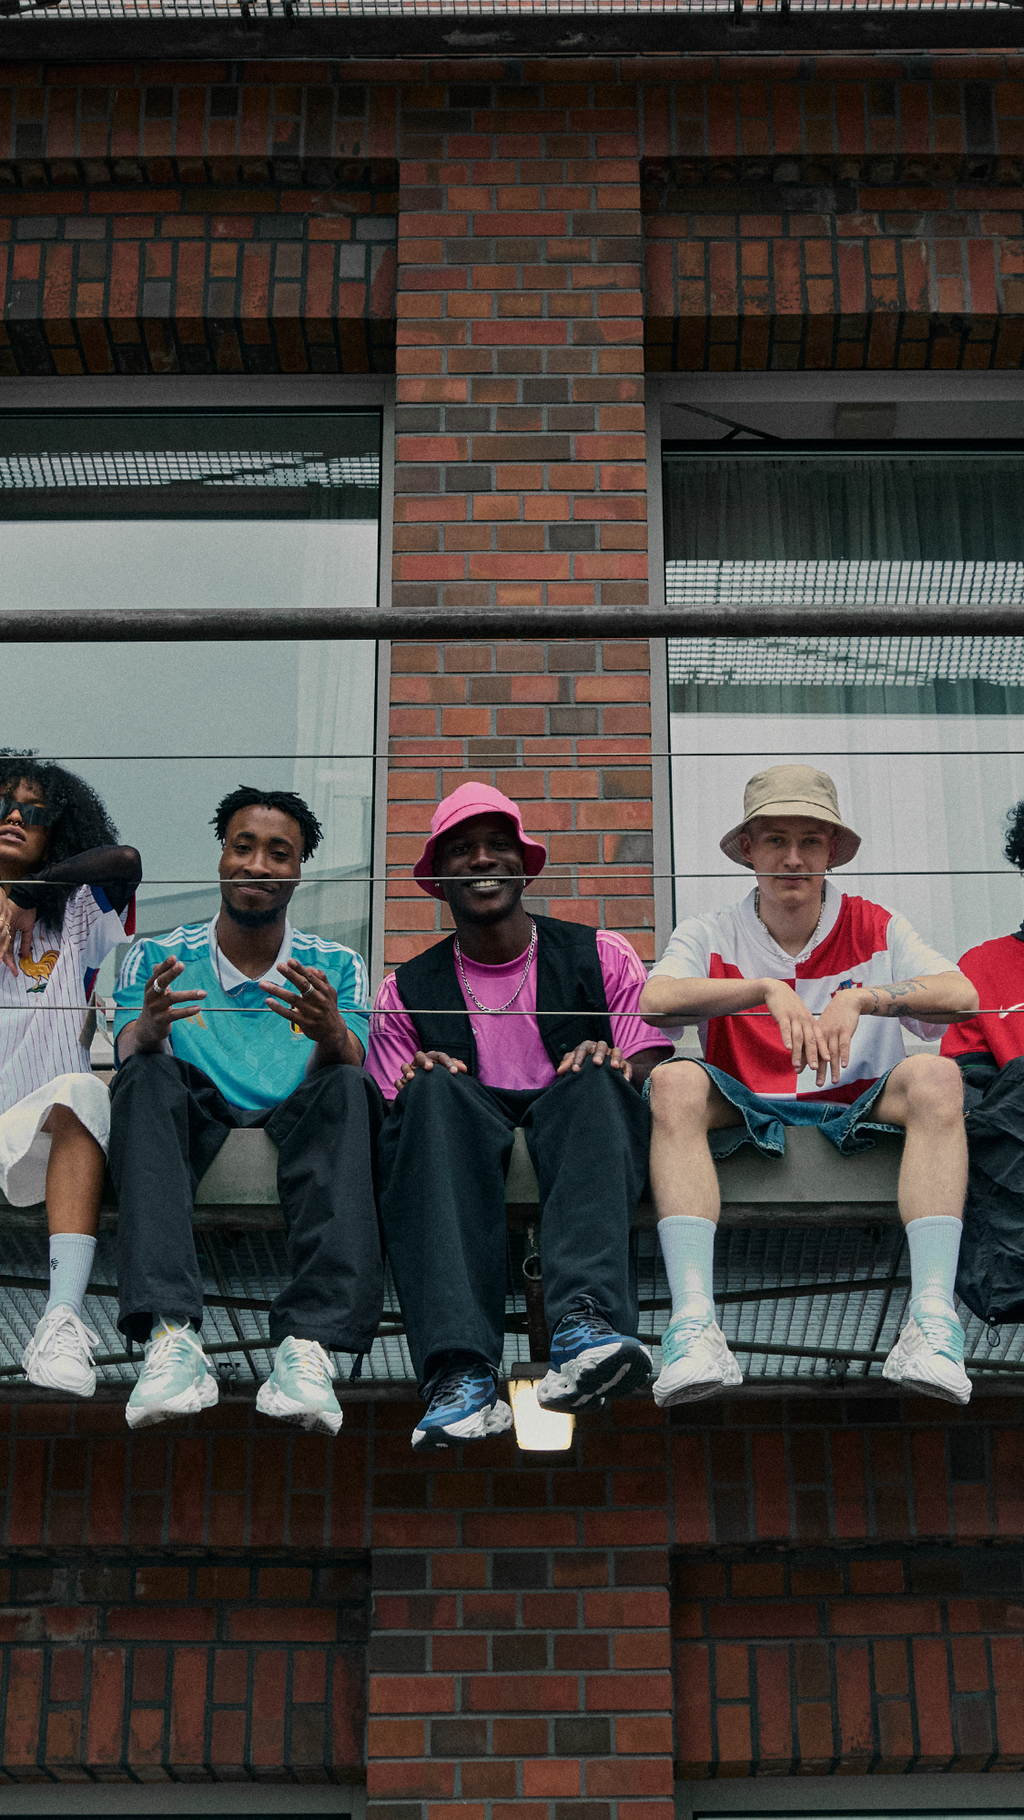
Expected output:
(511, 1001)
(764, 925)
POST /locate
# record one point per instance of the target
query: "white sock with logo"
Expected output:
(688, 1248)
(934, 1245)
(71, 1256)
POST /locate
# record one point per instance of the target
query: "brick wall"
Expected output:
(807, 1585)
(562, 728)
(168, 218)
(835, 212)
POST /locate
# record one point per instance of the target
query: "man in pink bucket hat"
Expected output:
(514, 1020)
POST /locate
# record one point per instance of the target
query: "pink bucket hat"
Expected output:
(463, 805)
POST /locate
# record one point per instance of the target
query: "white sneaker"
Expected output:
(928, 1358)
(174, 1381)
(59, 1354)
(696, 1362)
(299, 1387)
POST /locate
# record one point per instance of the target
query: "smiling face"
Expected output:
(22, 850)
(790, 855)
(481, 867)
(259, 865)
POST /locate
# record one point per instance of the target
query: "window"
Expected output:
(192, 512)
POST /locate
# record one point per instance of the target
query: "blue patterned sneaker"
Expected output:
(590, 1361)
(928, 1358)
(463, 1404)
(695, 1362)
(174, 1380)
(299, 1388)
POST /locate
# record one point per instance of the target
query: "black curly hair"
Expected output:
(246, 797)
(1014, 847)
(80, 819)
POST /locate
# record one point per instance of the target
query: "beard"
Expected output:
(251, 919)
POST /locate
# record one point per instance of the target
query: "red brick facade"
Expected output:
(835, 1584)
(811, 1586)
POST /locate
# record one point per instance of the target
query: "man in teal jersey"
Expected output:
(269, 1029)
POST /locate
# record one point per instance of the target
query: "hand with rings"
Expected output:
(16, 926)
(312, 1008)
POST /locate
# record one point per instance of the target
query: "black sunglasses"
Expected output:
(33, 815)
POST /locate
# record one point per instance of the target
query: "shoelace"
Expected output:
(942, 1333)
(309, 1361)
(451, 1384)
(168, 1351)
(77, 1337)
(685, 1330)
(586, 1310)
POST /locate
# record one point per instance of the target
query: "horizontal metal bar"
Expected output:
(159, 625)
(553, 33)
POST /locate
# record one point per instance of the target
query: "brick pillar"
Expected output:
(562, 728)
(519, 1664)
(521, 480)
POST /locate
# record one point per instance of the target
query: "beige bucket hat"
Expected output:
(792, 790)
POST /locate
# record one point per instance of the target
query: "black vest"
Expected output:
(569, 980)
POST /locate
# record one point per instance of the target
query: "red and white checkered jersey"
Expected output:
(855, 944)
(43, 1006)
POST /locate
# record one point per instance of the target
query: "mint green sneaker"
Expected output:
(174, 1380)
(299, 1388)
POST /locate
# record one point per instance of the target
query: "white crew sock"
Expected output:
(934, 1244)
(71, 1256)
(688, 1248)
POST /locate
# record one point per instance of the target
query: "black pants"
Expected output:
(167, 1123)
(444, 1154)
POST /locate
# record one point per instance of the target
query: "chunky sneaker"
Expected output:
(174, 1380)
(59, 1354)
(299, 1387)
(590, 1361)
(695, 1362)
(463, 1404)
(928, 1358)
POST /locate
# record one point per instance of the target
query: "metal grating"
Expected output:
(797, 1307)
(193, 467)
(296, 10)
(710, 583)
(910, 663)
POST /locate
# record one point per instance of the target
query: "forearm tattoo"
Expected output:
(887, 998)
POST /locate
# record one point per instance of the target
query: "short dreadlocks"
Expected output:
(1014, 848)
(245, 797)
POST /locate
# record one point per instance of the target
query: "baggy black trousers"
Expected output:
(167, 1123)
(444, 1153)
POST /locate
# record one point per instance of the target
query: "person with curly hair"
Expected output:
(984, 1044)
(269, 1029)
(67, 897)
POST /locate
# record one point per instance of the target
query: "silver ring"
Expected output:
(307, 988)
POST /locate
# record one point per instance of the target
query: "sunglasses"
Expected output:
(33, 815)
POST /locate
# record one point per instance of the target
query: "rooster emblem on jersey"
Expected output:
(39, 970)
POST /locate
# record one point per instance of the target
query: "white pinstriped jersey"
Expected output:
(42, 1010)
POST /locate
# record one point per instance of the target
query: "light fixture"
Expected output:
(538, 1430)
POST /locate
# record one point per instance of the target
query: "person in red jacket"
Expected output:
(985, 1043)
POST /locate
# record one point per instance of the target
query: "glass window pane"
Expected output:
(924, 737)
(167, 510)
(821, 528)
(163, 731)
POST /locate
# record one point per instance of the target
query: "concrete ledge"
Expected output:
(812, 1185)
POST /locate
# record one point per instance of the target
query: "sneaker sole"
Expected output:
(270, 1401)
(922, 1387)
(46, 1378)
(590, 1378)
(187, 1403)
(693, 1393)
(478, 1427)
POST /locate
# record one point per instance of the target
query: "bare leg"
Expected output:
(74, 1174)
(924, 1094)
(685, 1106)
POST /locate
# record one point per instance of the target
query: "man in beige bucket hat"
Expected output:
(827, 980)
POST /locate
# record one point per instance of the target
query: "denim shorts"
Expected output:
(765, 1120)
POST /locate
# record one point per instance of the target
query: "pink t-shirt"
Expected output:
(509, 1049)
